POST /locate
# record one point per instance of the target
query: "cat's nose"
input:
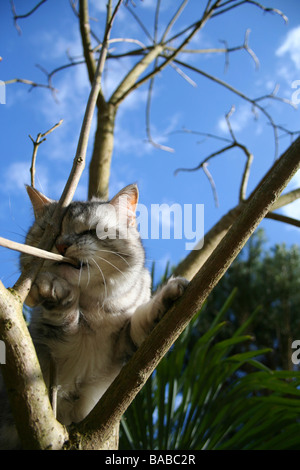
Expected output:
(62, 248)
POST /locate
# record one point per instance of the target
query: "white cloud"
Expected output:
(291, 46)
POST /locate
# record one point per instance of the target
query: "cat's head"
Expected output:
(101, 237)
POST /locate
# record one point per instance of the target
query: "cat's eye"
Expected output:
(91, 232)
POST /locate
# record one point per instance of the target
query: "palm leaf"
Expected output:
(200, 397)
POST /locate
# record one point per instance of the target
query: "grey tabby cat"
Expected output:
(91, 316)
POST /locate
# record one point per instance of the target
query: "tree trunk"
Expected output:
(99, 171)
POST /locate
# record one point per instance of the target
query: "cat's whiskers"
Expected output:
(104, 282)
(111, 264)
(89, 272)
(118, 254)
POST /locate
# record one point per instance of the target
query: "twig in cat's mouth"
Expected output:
(71, 262)
(31, 250)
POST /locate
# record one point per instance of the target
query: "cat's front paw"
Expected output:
(51, 291)
(174, 288)
(165, 298)
(148, 315)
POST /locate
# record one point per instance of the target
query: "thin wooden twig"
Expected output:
(212, 183)
(283, 218)
(25, 15)
(33, 251)
(36, 143)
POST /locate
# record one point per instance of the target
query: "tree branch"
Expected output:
(253, 101)
(131, 81)
(23, 378)
(31, 83)
(286, 198)
(84, 23)
(250, 2)
(283, 218)
(36, 143)
(25, 15)
(97, 425)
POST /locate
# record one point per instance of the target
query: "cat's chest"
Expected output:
(89, 353)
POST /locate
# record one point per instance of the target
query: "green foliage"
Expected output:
(268, 278)
(199, 397)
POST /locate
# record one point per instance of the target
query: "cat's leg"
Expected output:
(58, 299)
(147, 315)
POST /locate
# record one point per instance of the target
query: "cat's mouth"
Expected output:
(75, 264)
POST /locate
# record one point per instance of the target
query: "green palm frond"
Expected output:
(201, 397)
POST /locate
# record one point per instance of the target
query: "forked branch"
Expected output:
(25, 15)
(232, 143)
(36, 143)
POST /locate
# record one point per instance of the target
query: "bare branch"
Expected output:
(283, 218)
(140, 23)
(249, 157)
(242, 95)
(288, 132)
(148, 118)
(204, 134)
(18, 17)
(131, 81)
(85, 37)
(212, 155)
(251, 2)
(286, 199)
(274, 96)
(183, 75)
(212, 183)
(31, 83)
(249, 50)
(36, 144)
(234, 143)
(174, 19)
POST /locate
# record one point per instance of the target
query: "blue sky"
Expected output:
(52, 32)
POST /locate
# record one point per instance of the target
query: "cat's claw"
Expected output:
(175, 288)
(51, 291)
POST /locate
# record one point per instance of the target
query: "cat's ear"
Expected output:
(126, 202)
(38, 200)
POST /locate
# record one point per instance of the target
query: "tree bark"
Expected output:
(99, 170)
